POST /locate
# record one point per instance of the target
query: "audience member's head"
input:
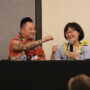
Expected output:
(80, 82)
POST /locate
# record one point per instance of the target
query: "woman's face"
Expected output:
(72, 34)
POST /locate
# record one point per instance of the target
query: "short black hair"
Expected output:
(77, 27)
(25, 20)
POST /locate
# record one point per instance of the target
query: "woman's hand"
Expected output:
(73, 56)
(54, 49)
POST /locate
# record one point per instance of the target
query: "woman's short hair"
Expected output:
(76, 27)
(80, 82)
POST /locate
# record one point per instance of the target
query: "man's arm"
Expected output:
(30, 45)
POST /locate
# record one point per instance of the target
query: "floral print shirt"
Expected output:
(24, 55)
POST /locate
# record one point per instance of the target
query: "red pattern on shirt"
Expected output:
(30, 53)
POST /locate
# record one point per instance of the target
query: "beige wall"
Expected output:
(57, 13)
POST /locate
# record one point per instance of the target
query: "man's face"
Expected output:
(28, 30)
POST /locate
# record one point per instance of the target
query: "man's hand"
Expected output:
(47, 38)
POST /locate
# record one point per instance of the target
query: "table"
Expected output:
(40, 75)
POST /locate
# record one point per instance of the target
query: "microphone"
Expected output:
(71, 45)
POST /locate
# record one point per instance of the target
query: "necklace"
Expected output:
(77, 52)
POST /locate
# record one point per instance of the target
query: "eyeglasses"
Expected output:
(70, 32)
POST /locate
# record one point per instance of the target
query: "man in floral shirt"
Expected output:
(24, 46)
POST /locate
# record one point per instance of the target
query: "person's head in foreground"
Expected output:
(80, 82)
(74, 35)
